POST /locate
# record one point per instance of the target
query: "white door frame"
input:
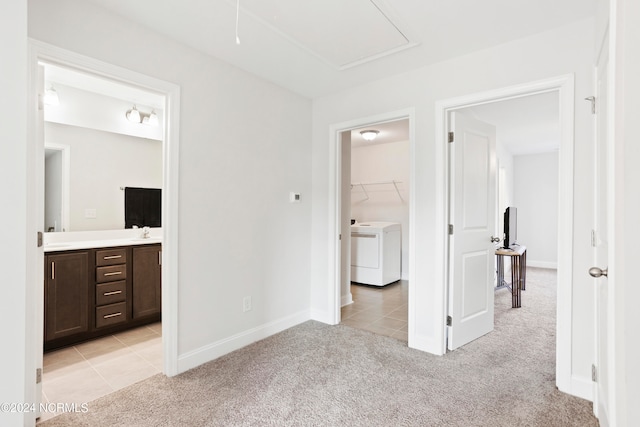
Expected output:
(564, 85)
(39, 51)
(335, 207)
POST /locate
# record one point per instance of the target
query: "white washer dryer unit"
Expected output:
(375, 253)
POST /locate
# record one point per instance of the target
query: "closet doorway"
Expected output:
(375, 219)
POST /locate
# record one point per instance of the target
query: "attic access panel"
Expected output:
(342, 33)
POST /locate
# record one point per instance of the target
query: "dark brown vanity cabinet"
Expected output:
(66, 294)
(96, 292)
(147, 273)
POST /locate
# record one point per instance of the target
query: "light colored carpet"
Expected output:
(319, 375)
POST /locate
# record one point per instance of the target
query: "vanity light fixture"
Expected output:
(51, 97)
(369, 135)
(133, 115)
(151, 119)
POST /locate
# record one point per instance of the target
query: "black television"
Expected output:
(510, 226)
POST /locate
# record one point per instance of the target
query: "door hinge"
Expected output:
(450, 229)
(450, 139)
(449, 320)
(594, 373)
(592, 99)
(39, 239)
(339, 236)
(38, 375)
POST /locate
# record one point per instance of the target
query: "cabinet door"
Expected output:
(146, 280)
(67, 294)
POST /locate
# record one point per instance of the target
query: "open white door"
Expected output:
(472, 219)
(601, 241)
(39, 305)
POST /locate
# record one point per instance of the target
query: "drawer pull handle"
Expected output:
(109, 316)
(112, 257)
(115, 273)
(106, 294)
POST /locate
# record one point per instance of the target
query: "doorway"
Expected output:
(44, 53)
(341, 195)
(564, 87)
(375, 248)
(109, 151)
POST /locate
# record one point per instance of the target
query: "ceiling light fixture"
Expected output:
(51, 97)
(133, 115)
(369, 135)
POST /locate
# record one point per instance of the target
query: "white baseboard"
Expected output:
(346, 299)
(322, 316)
(582, 387)
(427, 344)
(214, 350)
(542, 264)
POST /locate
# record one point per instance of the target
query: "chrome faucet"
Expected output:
(145, 232)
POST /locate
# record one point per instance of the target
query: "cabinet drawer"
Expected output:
(109, 293)
(111, 273)
(111, 257)
(111, 314)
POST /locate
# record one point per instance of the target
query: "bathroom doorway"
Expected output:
(45, 55)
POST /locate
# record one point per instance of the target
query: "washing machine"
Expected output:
(375, 253)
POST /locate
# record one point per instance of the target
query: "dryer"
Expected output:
(376, 253)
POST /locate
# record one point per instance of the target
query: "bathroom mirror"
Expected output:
(93, 150)
(85, 178)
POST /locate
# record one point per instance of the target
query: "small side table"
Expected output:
(518, 255)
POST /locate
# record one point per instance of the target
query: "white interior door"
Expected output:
(472, 178)
(39, 304)
(601, 241)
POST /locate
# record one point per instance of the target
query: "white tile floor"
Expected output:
(87, 371)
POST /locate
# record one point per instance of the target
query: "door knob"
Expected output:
(495, 239)
(597, 272)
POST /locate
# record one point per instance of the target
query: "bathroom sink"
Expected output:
(147, 239)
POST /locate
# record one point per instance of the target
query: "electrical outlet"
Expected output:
(246, 304)
(90, 213)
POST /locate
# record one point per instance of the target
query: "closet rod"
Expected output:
(362, 185)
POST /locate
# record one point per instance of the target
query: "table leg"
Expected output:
(523, 272)
(515, 282)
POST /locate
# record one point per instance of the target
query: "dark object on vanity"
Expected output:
(142, 207)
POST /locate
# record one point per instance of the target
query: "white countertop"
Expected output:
(69, 241)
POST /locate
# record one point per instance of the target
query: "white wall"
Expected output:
(381, 163)
(94, 111)
(623, 269)
(536, 197)
(244, 145)
(100, 163)
(550, 54)
(53, 192)
(17, 222)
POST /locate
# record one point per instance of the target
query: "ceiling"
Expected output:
(54, 74)
(524, 125)
(317, 47)
(395, 131)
